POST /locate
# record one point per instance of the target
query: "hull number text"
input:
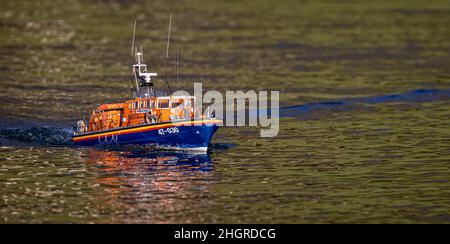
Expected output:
(170, 130)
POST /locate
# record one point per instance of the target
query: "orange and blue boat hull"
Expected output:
(183, 135)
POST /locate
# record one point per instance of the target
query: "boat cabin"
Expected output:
(140, 111)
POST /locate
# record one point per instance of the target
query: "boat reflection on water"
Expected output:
(156, 187)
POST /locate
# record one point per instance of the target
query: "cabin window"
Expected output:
(141, 104)
(164, 103)
(135, 105)
(177, 103)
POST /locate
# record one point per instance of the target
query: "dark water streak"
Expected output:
(415, 96)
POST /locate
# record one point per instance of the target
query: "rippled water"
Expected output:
(364, 133)
(386, 162)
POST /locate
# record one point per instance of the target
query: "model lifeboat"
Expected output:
(161, 122)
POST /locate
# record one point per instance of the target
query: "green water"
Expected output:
(367, 163)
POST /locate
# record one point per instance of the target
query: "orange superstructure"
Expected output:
(140, 111)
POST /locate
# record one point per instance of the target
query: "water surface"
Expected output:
(364, 130)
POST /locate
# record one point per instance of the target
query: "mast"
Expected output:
(142, 77)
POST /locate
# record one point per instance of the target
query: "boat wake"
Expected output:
(45, 135)
(54, 136)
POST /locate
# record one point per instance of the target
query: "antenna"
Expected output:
(137, 85)
(167, 84)
(177, 70)
(135, 88)
(167, 53)
(168, 36)
(134, 33)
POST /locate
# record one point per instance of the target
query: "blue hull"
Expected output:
(162, 136)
